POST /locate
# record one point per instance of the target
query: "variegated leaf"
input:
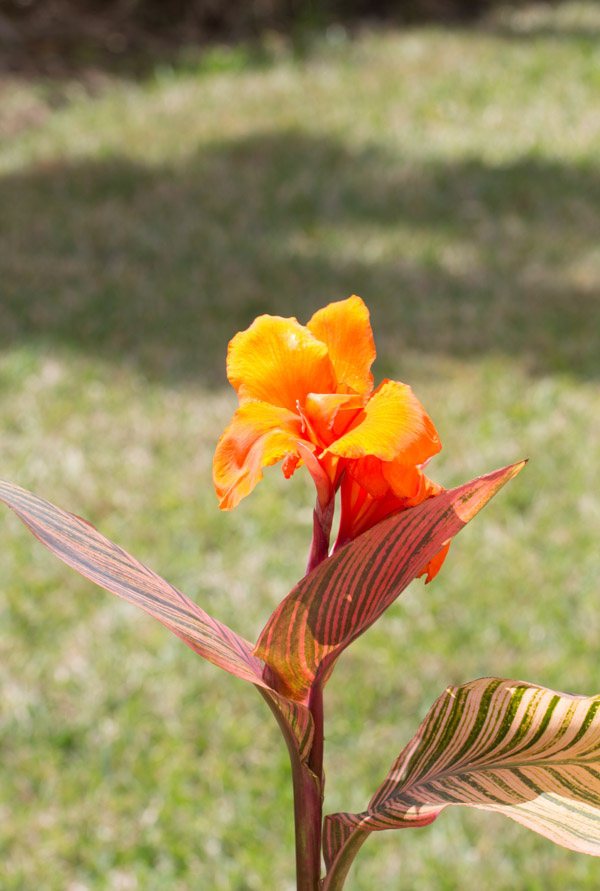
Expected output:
(506, 746)
(78, 544)
(348, 591)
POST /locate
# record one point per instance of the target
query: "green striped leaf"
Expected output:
(78, 544)
(506, 746)
(347, 592)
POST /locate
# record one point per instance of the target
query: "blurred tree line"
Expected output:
(32, 31)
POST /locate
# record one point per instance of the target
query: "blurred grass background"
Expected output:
(449, 177)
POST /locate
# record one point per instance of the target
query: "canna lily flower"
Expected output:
(306, 397)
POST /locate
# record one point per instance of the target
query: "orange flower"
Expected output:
(306, 396)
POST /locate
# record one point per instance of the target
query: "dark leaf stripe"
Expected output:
(78, 544)
(528, 752)
(346, 593)
(297, 717)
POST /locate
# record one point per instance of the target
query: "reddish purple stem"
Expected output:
(319, 548)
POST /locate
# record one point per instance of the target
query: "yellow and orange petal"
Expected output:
(393, 424)
(259, 435)
(306, 397)
(279, 361)
(409, 482)
(402, 481)
(328, 415)
(368, 473)
(345, 328)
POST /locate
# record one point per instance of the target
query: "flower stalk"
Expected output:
(308, 817)
(308, 791)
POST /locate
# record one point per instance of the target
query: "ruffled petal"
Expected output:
(259, 435)
(403, 481)
(328, 415)
(367, 495)
(393, 425)
(409, 482)
(278, 361)
(368, 473)
(345, 328)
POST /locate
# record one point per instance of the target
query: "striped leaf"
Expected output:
(78, 544)
(493, 744)
(347, 592)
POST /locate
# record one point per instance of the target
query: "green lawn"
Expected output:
(451, 179)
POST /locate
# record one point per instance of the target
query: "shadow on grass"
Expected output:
(158, 267)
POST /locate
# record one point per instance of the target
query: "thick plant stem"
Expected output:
(307, 820)
(315, 706)
(308, 805)
(307, 778)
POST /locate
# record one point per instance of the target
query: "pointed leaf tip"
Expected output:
(470, 504)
